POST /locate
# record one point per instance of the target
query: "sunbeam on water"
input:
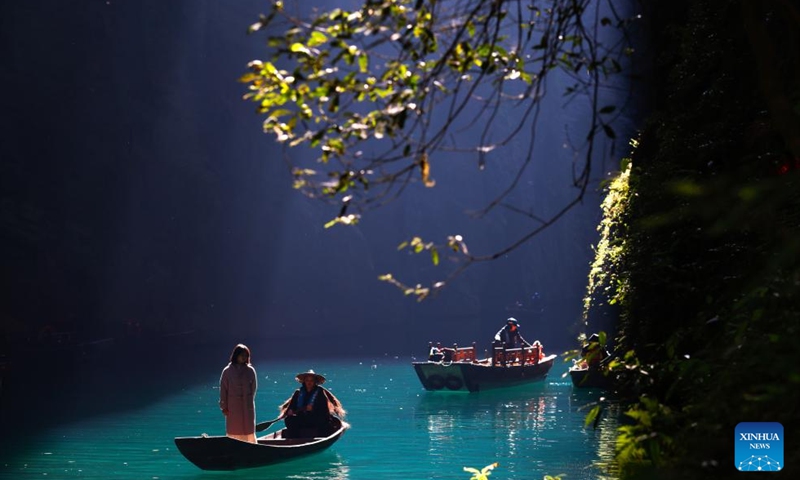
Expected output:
(398, 430)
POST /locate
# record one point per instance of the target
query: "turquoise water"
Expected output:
(399, 431)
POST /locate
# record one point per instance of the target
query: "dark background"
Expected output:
(142, 206)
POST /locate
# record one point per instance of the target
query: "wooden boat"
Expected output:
(588, 377)
(458, 369)
(225, 453)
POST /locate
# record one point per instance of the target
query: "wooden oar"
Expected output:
(265, 425)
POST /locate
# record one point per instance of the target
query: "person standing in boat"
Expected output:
(592, 352)
(309, 410)
(237, 395)
(509, 335)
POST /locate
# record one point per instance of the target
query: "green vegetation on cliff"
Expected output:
(709, 276)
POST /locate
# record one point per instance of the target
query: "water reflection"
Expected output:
(511, 411)
(606, 442)
(334, 468)
(605, 433)
(505, 424)
(326, 465)
(398, 431)
(540, 427)
(440, 427)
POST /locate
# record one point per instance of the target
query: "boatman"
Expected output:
(509, 335)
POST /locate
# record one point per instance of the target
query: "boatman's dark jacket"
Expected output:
(317, 418)
(510, 338)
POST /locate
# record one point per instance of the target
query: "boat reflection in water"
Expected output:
(509, 425)
(532, 430)
(327, 466)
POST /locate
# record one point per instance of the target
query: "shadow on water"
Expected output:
(45, 389)
(113, 376)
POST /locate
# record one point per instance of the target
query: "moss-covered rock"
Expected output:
(710, 280)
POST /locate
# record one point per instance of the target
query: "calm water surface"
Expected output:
(399, 431)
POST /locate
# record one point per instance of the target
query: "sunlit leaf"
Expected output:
(591, 416)
(482, 474)
(316, 39)
(300, 48)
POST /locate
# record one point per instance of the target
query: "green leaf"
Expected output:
(363, 62)
(471, 29)
(317, 38)
(435, 256)
(591, 416)
(300, 48)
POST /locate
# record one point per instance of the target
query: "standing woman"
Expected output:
(237, 396)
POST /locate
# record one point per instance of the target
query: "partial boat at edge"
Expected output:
(589, 377)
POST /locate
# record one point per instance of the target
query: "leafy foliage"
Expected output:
(378, 92)
(711, 274)
(606, 284)
(645, 440)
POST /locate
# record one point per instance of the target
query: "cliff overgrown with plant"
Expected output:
(704, 260)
